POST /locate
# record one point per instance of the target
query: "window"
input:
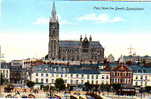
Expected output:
(145, 77)
(41, 80)
(141, 76)
(96, 82)
(76, 81)
(57, 75)
(92, 82)
(46, 75)
(52, 80)
(77, 75)
(96, 76)
(82, 75)
(36, 74)
(82, 82)
(102, 76)
(46, 80)
(65, 81)
(88, 76)
(136, 77)
(136, 83)
(107, 77)
(115, 74)
(41, 74)
(37, 80)
(141, 83)
(92, 77)
(71, 81)
(145, 83)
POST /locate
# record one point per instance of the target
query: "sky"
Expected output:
(24, 26)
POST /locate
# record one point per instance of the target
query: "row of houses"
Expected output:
(96, 74)
(74, 74)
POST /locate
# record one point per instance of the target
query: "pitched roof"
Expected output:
(121, 68)
(76, 69)
(77, 44)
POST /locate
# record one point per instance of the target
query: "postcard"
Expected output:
(75, 49)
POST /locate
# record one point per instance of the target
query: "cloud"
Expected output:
(46, 21)
(103, 18)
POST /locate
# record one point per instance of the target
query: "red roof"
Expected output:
(121, 68)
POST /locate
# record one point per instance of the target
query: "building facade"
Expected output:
(141, 76)
(83, 50)
(121, 75)
(72, 75)
(4, 71)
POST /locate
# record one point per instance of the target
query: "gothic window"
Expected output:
(85, 45)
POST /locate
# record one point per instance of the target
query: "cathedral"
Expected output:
(83, 50)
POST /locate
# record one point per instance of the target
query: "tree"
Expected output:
(87, 86)
(59, 84)
(30, 84)
(46, 88)
(105, 87)
(116, 87)
(148, 88)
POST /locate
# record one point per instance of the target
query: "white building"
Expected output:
(141, 76)
(142, 79)
(5, 73)
(48, 74)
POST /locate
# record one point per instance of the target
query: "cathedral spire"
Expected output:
(53, 13)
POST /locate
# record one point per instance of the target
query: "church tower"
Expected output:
(53, 46)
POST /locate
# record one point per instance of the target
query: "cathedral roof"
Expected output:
(77, 44)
